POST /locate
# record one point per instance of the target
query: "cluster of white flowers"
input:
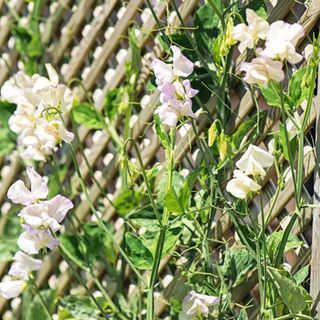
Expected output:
(175, 93)
(41, 105)
(196, 305)
(41, 219)
(252, 163)
(280, 38)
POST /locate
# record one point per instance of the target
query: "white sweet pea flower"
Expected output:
(248, 35)
(162, 71)
(32, 240)
(261, 70)
(281, 41)
(48, 214)
(38, 99)
(166, 73)
(23, 265)
(254, 160)
(196, 305)
(50, 133)
(182, 66)
(169, 114)
(241, 185)
(20, 194)
(19, 89)
(11, 288)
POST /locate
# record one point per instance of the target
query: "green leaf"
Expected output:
(206, 23)
(92, 246)
(97, 244)
(128, 201)
(272, 94)
(301, 275)
(298, 88)
(171, 237)
(88, 115)
(293, 144)
(274, 240)
(246, 128)
(77, 307)
(7, 137)
(138, 253)
(243, 315)
(288, 290)
(146, 218)
(8, 248)
(135, 52)
(212, 133)
(71, 246)
(32, 307)
(6, 111)
(259, 6)
(28, 42)
(163, 136)
(171, 202)
(185, 191)
(112, 102)
(237, 263)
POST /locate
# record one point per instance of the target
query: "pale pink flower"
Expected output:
(48, 214)
(196, 305)
(23, 265)
(33, 240)
(11, 288)
(281, 41)
(248, 35)
(254, 160)
(20, 194)
(166, 73)
(261, 70)
(241, 185)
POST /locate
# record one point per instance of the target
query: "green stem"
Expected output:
(105, 294)
(264, 248)
(161, 239)
(145, 178)
(43, 303)
(100, 222)
(78, 277)
(217, 12)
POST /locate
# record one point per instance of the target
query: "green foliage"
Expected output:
(206, 23)
(77, 307)
(298, 87)
(88, 115)
(162, 135)
(237, 263)
(128, 201)
(290, 293)
(287, 148)
(7, 137)
(112, 102)
(246, 128)
(11, 229)
(90, 247)
(138, 253)
(171, 202)
(272, 94)
(274, 241)
(259, 6)
(300, 276)
(135, 52)
(32, 307)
